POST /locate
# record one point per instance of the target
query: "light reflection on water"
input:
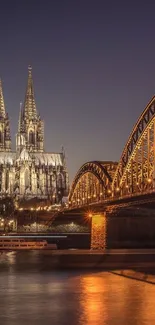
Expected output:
(32, 295)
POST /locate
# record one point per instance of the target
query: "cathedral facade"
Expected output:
(29, 171)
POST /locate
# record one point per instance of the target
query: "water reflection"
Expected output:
(44, 297)
(92, 299)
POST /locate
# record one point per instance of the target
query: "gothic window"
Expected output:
(27, 180)
(38, 182)
(7, 180)
(1, 137)
(51, 180)
(31, 137)
(59, 181)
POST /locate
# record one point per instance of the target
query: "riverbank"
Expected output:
(136, 275)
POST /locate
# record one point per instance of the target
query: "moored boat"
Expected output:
(25, 244)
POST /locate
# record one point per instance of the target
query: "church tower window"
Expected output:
(7, 180)
(31, 137)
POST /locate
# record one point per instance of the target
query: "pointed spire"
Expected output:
(63, 156)
(20, 119)
(2, 106)
(29, 105)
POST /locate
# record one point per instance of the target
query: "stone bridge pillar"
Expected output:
(99, 231)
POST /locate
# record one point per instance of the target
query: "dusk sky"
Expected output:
(93, 69)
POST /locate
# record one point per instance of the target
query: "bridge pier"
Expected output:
(99, 231)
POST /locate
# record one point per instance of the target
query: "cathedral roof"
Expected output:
(7, 158)
(48, 159)
(44, 159)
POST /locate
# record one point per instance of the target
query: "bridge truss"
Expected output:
(92, 183)
(133, 175)
(136, 170)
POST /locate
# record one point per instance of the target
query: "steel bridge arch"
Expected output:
(99, 170)
(142, 139)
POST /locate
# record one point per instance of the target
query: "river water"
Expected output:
(31, 293)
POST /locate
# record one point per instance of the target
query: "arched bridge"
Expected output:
(132, 176)
(92, 183)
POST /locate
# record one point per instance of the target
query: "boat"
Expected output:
(25, 244)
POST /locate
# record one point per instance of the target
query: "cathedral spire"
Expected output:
(5, 138)
(30, 125)
(29, 105)
(20, 119)
(2, 106)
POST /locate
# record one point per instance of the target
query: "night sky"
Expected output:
(93, 70)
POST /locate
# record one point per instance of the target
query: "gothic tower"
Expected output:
(5, 138)
(30, 126)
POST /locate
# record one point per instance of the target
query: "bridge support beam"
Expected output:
(99, 231)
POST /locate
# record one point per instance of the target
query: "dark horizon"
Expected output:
(93, 71)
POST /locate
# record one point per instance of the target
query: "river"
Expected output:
(31, 293)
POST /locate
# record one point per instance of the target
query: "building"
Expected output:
(29, 171)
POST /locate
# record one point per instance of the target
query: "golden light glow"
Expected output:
(95, 309)
(98, 231)
(88, 215)
(90, 179)
(149, 180)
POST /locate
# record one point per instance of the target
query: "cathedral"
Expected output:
(29, 171)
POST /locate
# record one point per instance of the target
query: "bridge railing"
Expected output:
(111, 199)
